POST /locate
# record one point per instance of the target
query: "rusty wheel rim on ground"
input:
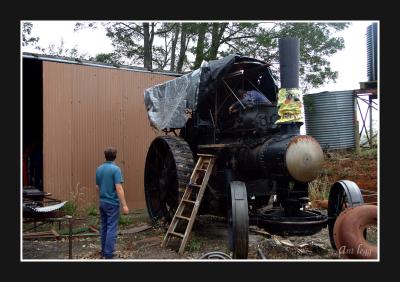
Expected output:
(349, 232)
(169, 164)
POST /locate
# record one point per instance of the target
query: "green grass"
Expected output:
(319, 188)
(125, 220)
(70, 208)
(74, 230)
(326, 171)
(368, 153)
(194, 245)
(92, 211)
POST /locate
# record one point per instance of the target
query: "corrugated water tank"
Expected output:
(330, 118)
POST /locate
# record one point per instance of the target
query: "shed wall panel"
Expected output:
(85, 110)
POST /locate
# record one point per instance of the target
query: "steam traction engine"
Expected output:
(262, 165)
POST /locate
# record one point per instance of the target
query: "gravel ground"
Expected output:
(209, 234)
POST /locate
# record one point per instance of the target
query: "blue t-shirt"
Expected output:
(107, 175)
(252, 97)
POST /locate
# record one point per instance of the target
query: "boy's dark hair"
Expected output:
(110, 153)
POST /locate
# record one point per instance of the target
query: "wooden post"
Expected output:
(70, 235)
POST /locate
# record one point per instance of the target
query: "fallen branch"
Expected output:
(260, 232)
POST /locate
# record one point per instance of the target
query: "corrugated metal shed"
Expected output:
(85, 109)
(330, 118)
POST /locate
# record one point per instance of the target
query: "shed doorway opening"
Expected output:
(32, 123)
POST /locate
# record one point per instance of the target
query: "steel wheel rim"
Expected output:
(238, 221)
(164, 175)
(335, 206)
(162, 183)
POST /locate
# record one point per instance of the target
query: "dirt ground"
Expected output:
(360, 169)
(211, 234)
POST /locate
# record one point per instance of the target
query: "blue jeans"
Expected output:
(109, 226)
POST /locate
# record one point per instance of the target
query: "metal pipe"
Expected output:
(233, 93)
(289, 61)
(261, 254)
(370, 121)
(356, 127)
(70, 235)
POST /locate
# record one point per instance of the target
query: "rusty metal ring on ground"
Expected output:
(349, 232)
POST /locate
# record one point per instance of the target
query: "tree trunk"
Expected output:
(147, 46)
(182, 50)
(200, 45)
(216, 35)
(173, 47)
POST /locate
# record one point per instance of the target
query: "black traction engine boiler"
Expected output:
(262, 168)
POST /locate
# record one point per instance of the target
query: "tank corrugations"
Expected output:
(372, 42)
(329, 118)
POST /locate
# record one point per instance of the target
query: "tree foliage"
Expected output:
(27, 39)
(62, 51)
(184, 46)
(51, 49)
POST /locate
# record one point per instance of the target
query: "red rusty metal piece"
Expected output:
(349, 229)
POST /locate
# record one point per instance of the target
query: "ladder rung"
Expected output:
(188, 201)
(177, 234)
(182, 217)
(202, 169)
(204, 164)
(206, 155)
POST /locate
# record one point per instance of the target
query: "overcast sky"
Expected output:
(351, 62)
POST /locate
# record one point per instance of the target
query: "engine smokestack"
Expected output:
(289, 58)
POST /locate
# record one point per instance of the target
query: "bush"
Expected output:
(319, 188)
(70, 208)
(368, 153)
(92, 211)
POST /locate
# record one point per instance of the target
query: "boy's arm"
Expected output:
(121, 196)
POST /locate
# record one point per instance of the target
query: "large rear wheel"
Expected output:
(169, 164)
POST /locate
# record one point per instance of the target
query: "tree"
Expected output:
(199, 50)
(317, 44)
(61, 51)
(173, 46)
(27, 39)
(164, 54)
(108, 58)
(135, 41)
(182, 46)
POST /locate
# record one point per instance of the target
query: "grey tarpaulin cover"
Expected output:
(166, 103)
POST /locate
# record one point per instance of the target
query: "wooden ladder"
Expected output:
(188, 207)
